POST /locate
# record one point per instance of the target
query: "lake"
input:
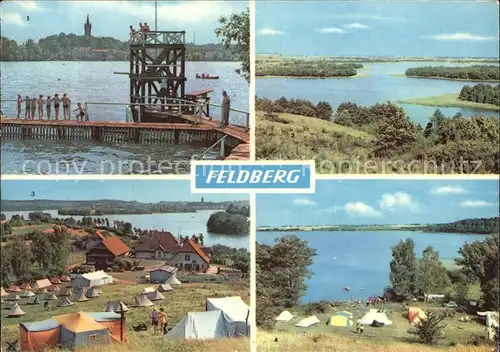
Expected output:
(95, 82)
(360, 259)
(378, 87)
(186, 224)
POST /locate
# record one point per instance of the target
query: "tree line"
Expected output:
(237, 209)
(478, 262)
(296, 68)
(322, 109)
(477, 225)
(481, 93)
(237, 258)
(476, 72)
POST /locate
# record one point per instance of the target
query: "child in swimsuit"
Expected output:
(27, 107)
(48, 107)
(40, 107)
(33, 108)
(81, 112)
(56, 105)
(19, 104)
(66, 101)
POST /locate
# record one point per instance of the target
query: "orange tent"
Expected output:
(415, 315)
(38, 336)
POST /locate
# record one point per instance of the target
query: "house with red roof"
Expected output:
(103, 254)
(94, 239)
(157, 245)
(190, 257)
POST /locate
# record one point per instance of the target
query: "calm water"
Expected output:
(378, 87)
(95, 82)
(186, 224)
(360, 259)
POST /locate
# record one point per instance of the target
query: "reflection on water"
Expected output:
(378, 87)
(95, 82)
(360, 259)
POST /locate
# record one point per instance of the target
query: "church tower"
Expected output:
(88, 28)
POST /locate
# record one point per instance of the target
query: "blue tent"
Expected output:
(81, 330)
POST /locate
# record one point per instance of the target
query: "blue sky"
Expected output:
(141, 191)
(113, 18)
(378, 28)
(360, 202)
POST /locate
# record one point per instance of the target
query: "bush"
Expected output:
(123, 264)
(320, 307)
(430, 329)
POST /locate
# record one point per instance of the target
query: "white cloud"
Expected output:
(304, 202)
(174, 12)
(13, 18)
(355, 25)
(29, 5)
(398, 200)
(269, 31)
(449, 190)
(361, 209)
(476, 204)
(460, 36)
(332, 30)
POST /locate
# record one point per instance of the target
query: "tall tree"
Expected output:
(479, 259)
(404, 269)
(41, 248)
(234, 32)
(20, 258)
(432, 275)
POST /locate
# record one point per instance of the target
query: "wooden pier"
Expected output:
(206, 133)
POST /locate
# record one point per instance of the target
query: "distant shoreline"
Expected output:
(372, 59)
(359, 75)
(402, 75)
(448, 100)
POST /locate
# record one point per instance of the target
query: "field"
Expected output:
(389, 338)
(190, 297)
(448, 100)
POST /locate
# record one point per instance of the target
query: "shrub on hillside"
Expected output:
(430, 330)
(320, 307)
(322, 110)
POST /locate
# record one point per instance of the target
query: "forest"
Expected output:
(296, 68)
(64, 47)
(480, 226)
(225, 223)
(377, 134)
(322, 110)
(475, 73)
(481, 93)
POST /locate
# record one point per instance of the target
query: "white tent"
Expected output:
(174, 281)
(284, 317)
(165, 288)
(372, 315)
(142, 301)
(114, 306)
(96, 278)
(155, 296)
(147, 290)
(12, 297)
(309, 321)
(3, 293)
(201, 326)
(80, 297)
(236, 312)
(27, 294)
(50, 296)
(92, 292)
(16, 311)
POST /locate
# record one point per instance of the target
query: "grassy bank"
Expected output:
(402, 75)
(389, 338)
(190, 297)
(448, 100)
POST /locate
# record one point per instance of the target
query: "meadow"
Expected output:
(448, 100)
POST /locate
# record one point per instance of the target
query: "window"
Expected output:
(187, 257)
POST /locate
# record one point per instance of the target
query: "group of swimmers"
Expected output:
(33, 104)
(143, 28)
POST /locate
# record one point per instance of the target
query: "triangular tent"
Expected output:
(64, 302)
(27, 294)
(372, 315)
(3, 293)
(92, 292)
(16, 311)
(165, 288)
(14, 288)
(53, 288)
(50, 296)
(155, 296)
(147, 290)
(174, 281)
(236, 312)
(26, 286)
(115, 306)
(35, 300)
(309, 321)
(342, 319)
(43, 291)
(142, 301)
(284, 317)
(65, 278)
(43, 283)
(80, 297)
(13, 297)
(201, 326)
(55, 281)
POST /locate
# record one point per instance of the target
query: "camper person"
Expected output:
(81, 112)
(226, 104)
(27, 107)
(155, 316)
(48, 102)
(163, 321)
(19, 104)
(33, 108)
(66, 101)
(40, 103)
(57, 101)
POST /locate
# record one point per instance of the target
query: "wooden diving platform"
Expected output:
(207, 133)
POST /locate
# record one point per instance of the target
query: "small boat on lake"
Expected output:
(206, 76)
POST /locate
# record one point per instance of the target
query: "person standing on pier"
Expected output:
(19, 104)
(81, 115)
(40, 107)
(226, 105)
(49, 101)
(33, 108)
(66, 101)
(57, 101)
(27, 107)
